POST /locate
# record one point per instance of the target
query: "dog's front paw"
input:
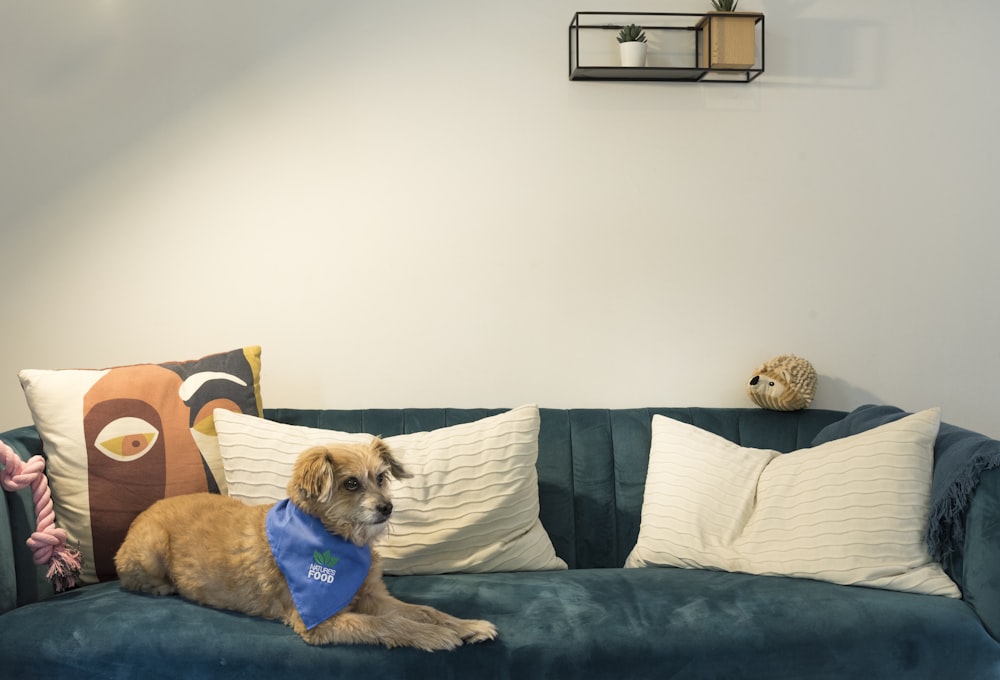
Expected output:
(427, 637)
(474, 630)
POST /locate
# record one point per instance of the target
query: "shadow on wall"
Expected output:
(837, 393)
(826, 53)
(85, 83)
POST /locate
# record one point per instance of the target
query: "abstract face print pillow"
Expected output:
(119, 439)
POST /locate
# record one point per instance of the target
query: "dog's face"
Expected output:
(347, 487)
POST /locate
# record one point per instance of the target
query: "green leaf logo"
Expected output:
(325, 559)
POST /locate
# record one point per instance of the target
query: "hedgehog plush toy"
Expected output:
(784, 383)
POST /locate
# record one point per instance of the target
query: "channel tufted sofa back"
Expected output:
(591, 462)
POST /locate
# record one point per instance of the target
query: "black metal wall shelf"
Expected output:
(681, 41)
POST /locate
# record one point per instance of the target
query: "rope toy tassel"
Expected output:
(47, 542)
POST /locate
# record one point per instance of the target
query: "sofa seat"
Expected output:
(571, 624)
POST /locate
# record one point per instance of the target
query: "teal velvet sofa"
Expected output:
(593, 620)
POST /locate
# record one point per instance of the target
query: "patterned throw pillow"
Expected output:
(118, 439)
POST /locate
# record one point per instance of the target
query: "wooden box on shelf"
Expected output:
(728, 40)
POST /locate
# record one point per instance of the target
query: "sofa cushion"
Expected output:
(588, 623)
(852, 511)
(118, 439)
(471, 505)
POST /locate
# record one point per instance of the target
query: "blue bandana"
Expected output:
(323, 571)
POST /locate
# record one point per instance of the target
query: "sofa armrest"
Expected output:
(981, 552)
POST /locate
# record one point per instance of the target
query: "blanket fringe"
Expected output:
(946, 524)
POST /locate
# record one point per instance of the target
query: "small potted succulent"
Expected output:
(632, 45)
(729, 38)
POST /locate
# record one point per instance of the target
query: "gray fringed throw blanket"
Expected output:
(960, 457)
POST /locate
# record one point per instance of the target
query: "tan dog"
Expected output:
(214, 550)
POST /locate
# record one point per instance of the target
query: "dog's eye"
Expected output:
(352, 484)
(380, 480)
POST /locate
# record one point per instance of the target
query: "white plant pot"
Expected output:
(633, 53)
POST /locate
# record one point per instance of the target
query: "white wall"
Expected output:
(409, 204)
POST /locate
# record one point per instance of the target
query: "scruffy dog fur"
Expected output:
(214, 550)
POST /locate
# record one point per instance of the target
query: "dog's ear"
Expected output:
(395, 468)
(313, 475)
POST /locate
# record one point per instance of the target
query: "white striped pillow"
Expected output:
(852, 511)
(471, 505)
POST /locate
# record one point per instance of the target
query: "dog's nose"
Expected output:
(385, 508)
(754, 380)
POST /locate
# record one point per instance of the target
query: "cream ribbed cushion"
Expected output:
(852, 511)
(471, 505)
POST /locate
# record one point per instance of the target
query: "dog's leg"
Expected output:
(379, 602)
(389, 630)
(140, 563)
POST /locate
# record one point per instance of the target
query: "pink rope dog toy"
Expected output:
(47, 542)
